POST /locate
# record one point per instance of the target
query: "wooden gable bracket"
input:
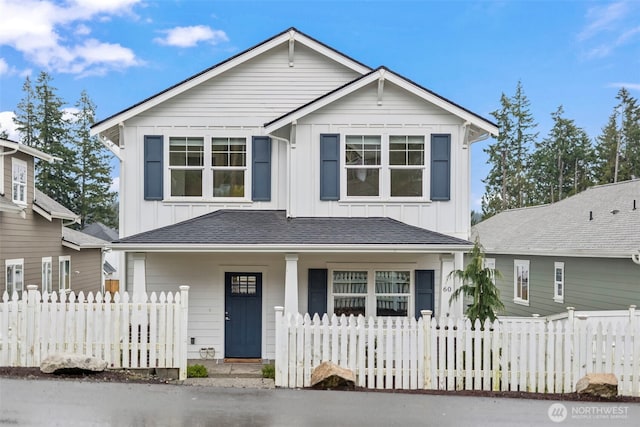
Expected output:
(380, 87)
(292, 41)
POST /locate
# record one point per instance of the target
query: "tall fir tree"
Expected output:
(606, 149)
(507, 183)
(94, 201)
(25, 117)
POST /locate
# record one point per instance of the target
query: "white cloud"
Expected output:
(191, 36)
(602, 18)
(36, 29)
(6, 121)
(4, 67)
(630, 86)
(608, 27)
(115, 184)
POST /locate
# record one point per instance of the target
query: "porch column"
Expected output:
(139, 276)
(291, 284)
(446, 286)
(457, 308)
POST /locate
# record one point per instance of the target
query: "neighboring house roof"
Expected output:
(108, 268)
(101, 231)
(50, 209)
(7, 205)
(263, 230)
(384, 74)
(111, 123)
(603, 221)
(78, 240)
(13, 145)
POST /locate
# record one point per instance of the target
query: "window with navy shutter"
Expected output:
(424, 291)
(261, 173)
(329, 167)
(153, 167)
(440, 167)
(317, 292)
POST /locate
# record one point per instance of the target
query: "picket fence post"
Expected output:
(280, 347)
(426, 345)
(184, 309)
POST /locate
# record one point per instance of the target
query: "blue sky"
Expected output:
(574, 53)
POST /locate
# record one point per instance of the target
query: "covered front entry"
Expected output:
(243, 315)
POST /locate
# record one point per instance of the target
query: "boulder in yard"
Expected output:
(328, 375)
(599, 385)
(71, 362)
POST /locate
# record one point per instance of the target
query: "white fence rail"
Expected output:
(402, 353)
(127, 334)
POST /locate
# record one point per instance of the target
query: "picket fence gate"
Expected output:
(146, 333)
(446, 354)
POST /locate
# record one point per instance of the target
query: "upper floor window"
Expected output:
(19, 181)
(385, 166)
(229, 166)
(558, 282)
(15, 276)
(186, 164)
(521, 281)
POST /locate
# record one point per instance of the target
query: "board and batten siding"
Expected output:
(590, 284)
(204, 273)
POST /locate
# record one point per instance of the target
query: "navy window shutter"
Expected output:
(424, 291)
(153, 167)
(261, 170)
(317, 292)
(330, 167)
(440, 167)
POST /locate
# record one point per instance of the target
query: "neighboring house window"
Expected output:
(15, 276)
(19, 181)
(229, 166)
(406, 165)
(371, 292)
(64, 273)
(521, 281)
(46, 275)
(491, 264)
(363, 161)
(558, 280)
(186, 164)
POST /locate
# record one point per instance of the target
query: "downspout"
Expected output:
(288, 143)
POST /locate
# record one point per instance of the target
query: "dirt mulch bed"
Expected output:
(109, 375)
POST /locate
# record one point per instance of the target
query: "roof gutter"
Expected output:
(318, 248)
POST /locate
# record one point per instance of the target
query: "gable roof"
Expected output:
(383, 73)
(284, 37)
(50, 209)
(77, 240)
(267, 230)
(17, 146)
(101, 231)
(598, 222)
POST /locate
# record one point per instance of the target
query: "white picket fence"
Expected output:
(446, 354)
(151, 333)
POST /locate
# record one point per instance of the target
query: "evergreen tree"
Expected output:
(3, 133)
(25, 117)
(606, 149)
(93, 201)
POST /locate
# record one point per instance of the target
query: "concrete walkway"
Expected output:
(234, 375)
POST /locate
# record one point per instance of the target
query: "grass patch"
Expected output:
(197, 371)
(269, 371)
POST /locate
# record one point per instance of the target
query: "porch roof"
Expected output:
(259, 230)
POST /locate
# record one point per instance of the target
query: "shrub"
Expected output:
(197, 371)
(269, 371)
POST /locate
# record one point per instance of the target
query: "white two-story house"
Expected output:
(291, 174)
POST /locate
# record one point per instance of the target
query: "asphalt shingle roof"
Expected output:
(81, 239)
(101, 231)
(566, 225)
(235, 227)
(52, 207)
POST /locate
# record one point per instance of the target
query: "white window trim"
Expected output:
(60, 271)
(525, 264)
(491, 263)
(370, 305)
(556, 296)
(49, 288)
(207, 169)
(384, 193)
(17, 162)
(2, 157)
(12, 263)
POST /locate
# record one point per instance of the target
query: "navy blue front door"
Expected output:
(243, 315)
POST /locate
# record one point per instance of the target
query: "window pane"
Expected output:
(406, 150)
(362, 150)
(349, 306)
(363, 182)
(243, 285)
(186, 182)
(349, 282)
(392, 282)
(186, 151)
(392, 306)
(406, 182)
(228, 183)
(228, 152)
(558, 274)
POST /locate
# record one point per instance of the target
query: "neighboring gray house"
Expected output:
(35, 246)
(583, 251)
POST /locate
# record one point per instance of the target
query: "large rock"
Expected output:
(328, 375)
(71, 362)
(600, 385)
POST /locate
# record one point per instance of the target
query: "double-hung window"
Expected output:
(406, 165)
(19, 181)
(64, 275)
(558, 282)
(521, 281)
(229, 166)
(46, 274)
(371, 292)
(14, 276)
(186, 164)
(363, 161)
